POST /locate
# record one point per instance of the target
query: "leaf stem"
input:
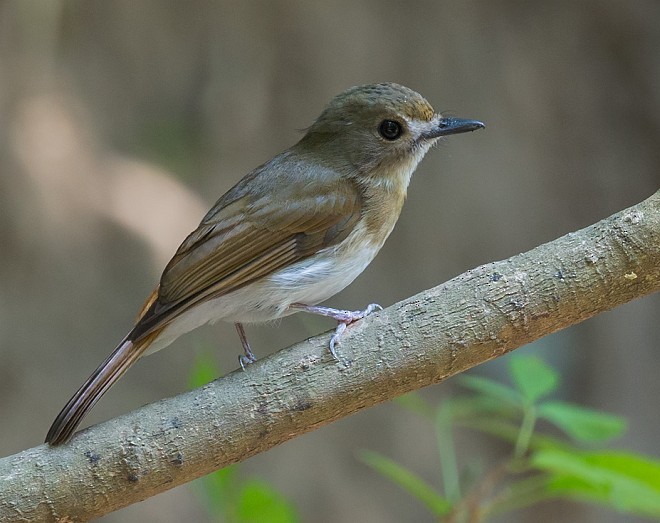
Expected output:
(526, 431)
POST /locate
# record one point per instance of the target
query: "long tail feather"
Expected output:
(96, 385)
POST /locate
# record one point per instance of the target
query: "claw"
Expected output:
(334, 339)
(246, 360)
(343, 317)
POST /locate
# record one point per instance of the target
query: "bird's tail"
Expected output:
(127, 353)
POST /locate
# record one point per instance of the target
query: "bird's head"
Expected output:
(379, 132)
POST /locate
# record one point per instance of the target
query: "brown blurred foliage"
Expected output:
(123, 121)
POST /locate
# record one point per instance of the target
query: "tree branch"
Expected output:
(479, 315)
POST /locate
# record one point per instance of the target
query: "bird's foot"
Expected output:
(248, 356)
(343, 317)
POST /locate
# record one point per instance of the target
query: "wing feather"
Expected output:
(244, 238)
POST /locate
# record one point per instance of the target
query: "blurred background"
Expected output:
(122, 122)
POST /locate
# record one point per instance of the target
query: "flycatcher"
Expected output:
(289, 235)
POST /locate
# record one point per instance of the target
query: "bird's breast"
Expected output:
(327, 272)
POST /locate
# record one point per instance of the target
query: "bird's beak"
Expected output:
(448, 125)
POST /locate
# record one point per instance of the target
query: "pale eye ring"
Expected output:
(390, 129)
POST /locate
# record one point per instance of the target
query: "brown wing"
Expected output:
(245, 237)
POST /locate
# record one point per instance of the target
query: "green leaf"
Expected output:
(414, 402)
(623, 481)
(509, 432)
(637, 466)
(408, 481)
(523, 493)
(533, 377)
(447, 452)
(219, 491)
(259, 503)
(580, 423)
(491, 388)
(479, 405)
(203, 371)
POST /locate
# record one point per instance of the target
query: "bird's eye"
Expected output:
(390, 130)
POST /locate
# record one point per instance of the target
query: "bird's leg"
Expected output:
(248, 356)
(344, 318)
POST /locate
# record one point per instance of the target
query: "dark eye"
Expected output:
(390, 130)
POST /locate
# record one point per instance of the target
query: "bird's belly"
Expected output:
(316, 279)
(309, 281)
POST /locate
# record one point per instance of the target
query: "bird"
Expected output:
(290, 234)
